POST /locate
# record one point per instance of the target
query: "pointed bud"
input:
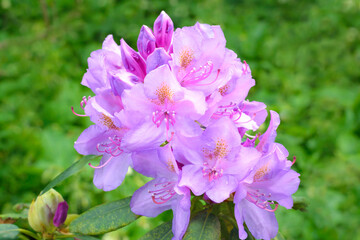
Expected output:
(42, 211)
(132, 60)
(60, 214)
(146, 42)
(163, 31)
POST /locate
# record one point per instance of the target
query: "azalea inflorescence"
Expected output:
(176, 111)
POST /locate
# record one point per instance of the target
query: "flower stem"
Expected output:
(29, 233)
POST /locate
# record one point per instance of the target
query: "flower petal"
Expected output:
(142, 203)
(113, 173)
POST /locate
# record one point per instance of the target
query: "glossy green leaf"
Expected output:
(74, 168)
(204, 226)
(8, 231)
(104, 218)
(162, 232)
(81, 237)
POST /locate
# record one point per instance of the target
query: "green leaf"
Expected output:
(234, 234)
(204, 226)
(74, 168)
(81, 237)
(104, 218)
(8, 231)
(14, 216)
(162, 232)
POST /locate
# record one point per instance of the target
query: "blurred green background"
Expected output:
(304, 56)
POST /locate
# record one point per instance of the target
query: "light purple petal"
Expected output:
(239, 216)
(193, 178)
(156, 59)
(156, 163)
(224, 129)
(162, 79)
(193, 104)
(144, 137)
(269, 136)
(110, 45)
(222, 188)
(246, 160)
(142, 203)
(121, 80)
(112, 174)
(181, 217)
(261, 223)
(89, 138)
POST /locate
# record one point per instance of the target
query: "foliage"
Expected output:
(303, 56)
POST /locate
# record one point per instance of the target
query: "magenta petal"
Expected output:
(156, 59)
(146, 42)
(112, 174)
(60, 214)
(132, 61)
(163, 30)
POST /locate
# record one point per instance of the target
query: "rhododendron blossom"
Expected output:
(176, 110)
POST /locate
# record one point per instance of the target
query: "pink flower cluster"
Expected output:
(176, 111)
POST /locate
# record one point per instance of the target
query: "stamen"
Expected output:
(196, 75)
(245, 68)
(164, 193)
(261, 200)
(82, 105)
(294, 160)
(103, 165)
(164, 115)
(79, 115)
(213, 173)
(273, 210)
(113, 147)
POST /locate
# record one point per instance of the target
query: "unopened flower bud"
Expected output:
(132, 60)
(146, 42)
(163, 30)
(42, 211)
(60, 214)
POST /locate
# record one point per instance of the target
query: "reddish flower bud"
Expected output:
(60, 214)
(132, 60)
(146, 42)
(163, 31)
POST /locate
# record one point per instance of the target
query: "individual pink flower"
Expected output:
(218, 161)
(104, 138)
(270, 180)
(159, 109)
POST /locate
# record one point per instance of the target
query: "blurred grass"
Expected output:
(304, 56)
